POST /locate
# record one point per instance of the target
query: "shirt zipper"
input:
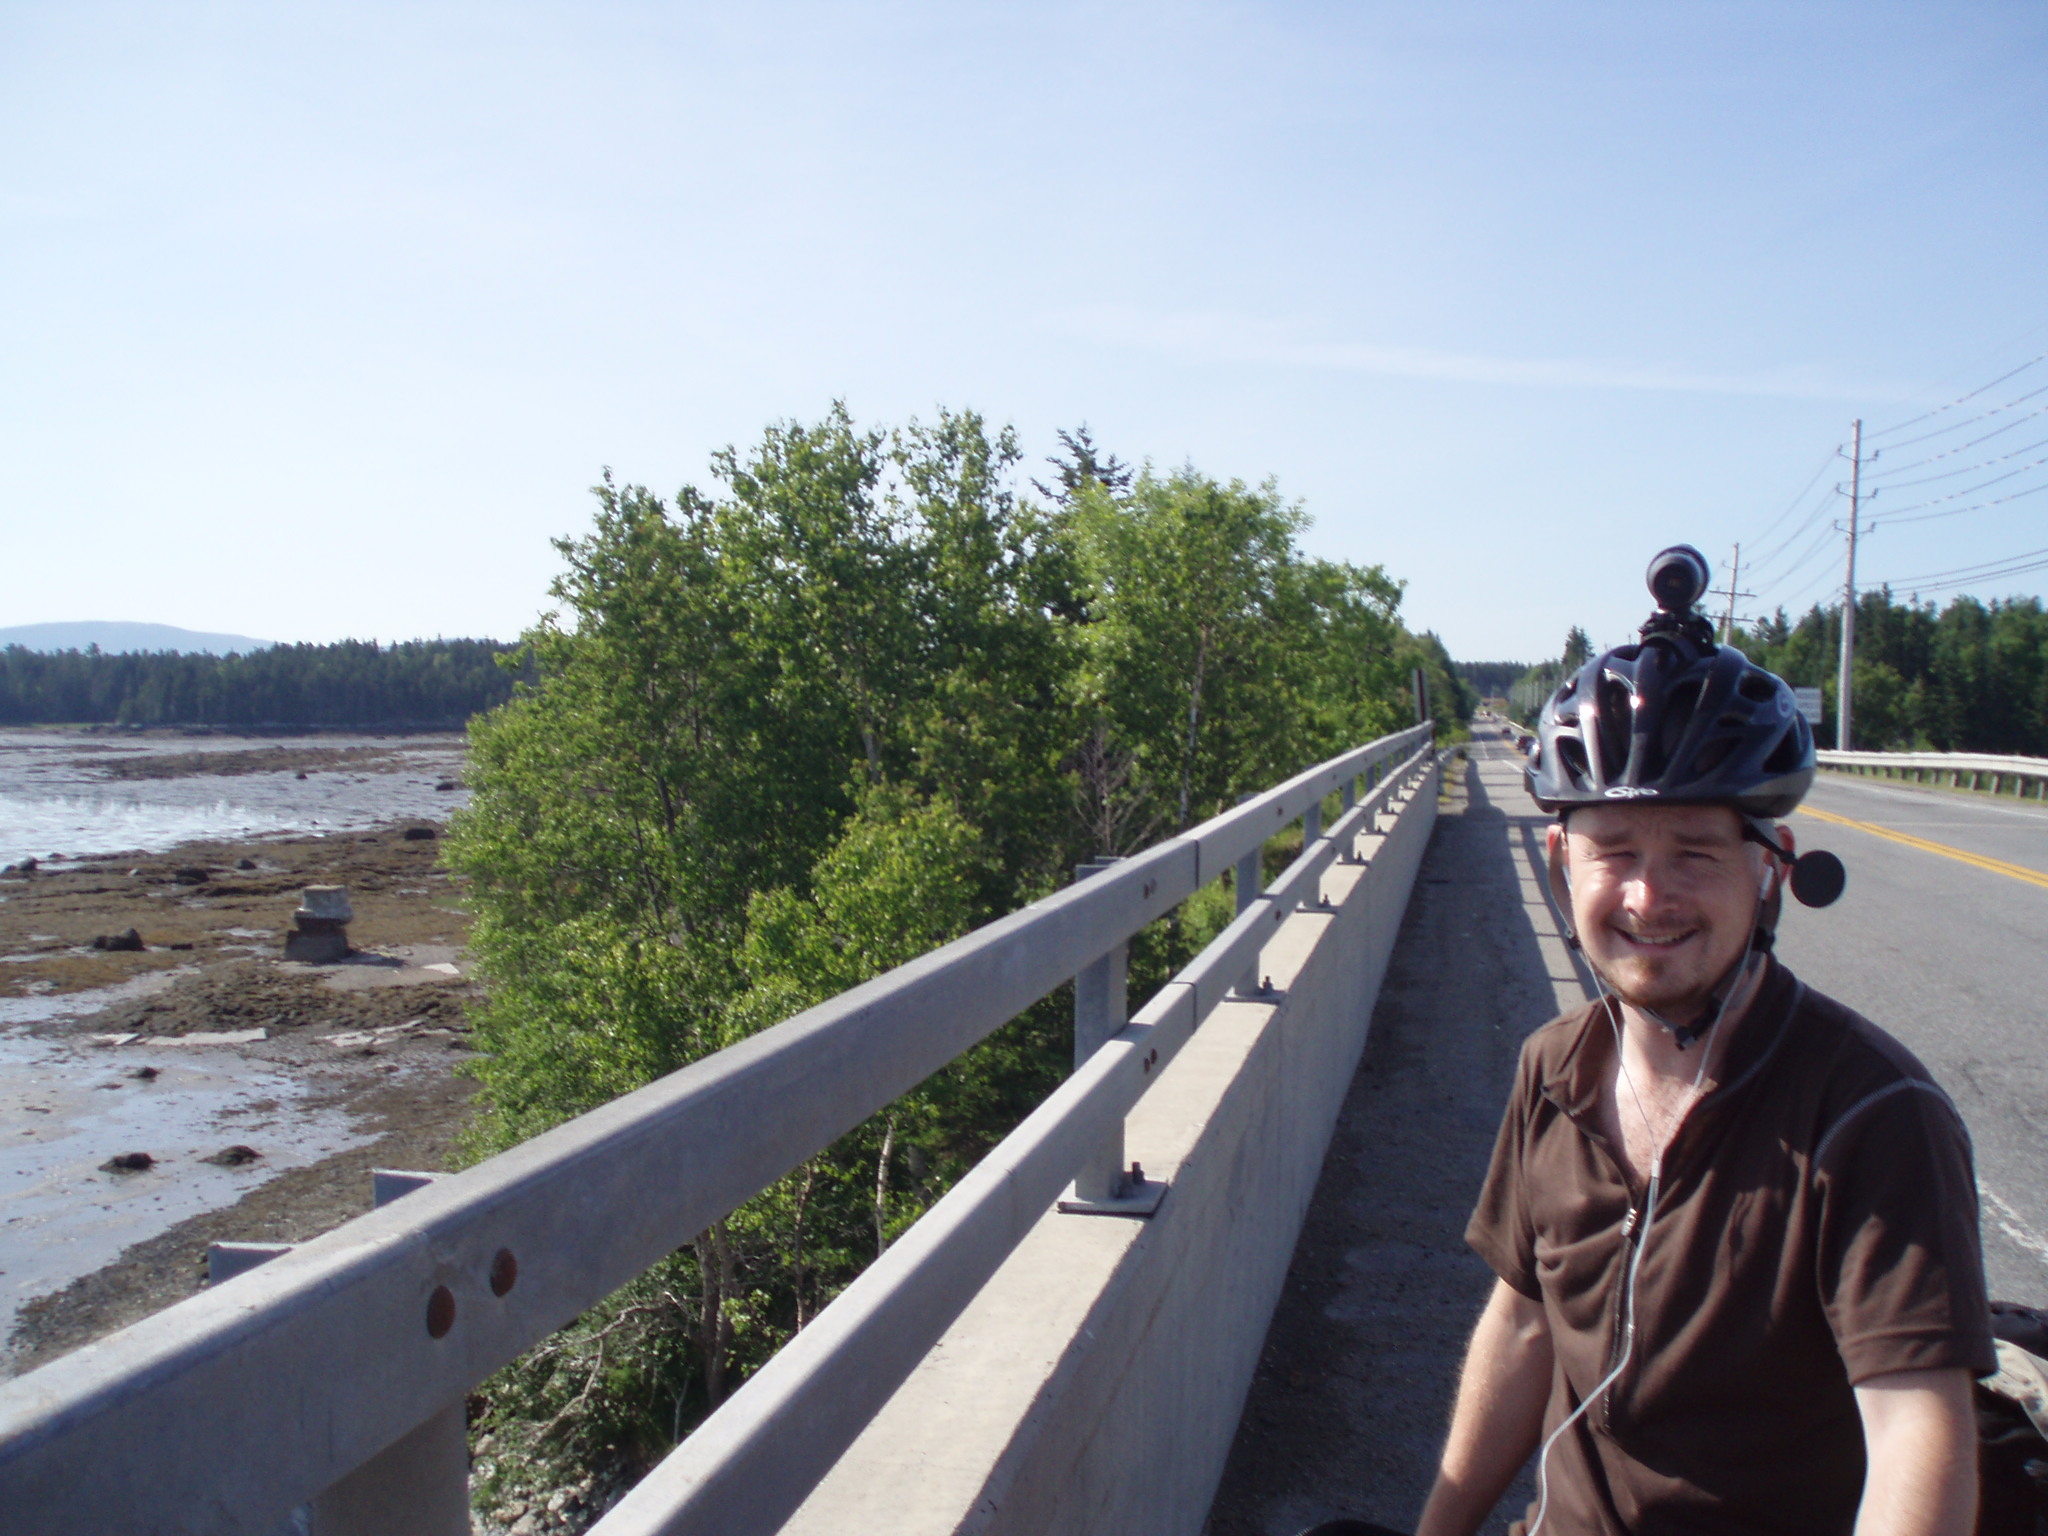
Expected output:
(1630, 1237)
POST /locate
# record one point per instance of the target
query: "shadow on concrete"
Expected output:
(1347, 1411)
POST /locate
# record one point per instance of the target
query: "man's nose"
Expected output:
(1654, 884)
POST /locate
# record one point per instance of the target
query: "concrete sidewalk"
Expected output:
(1347, 1412)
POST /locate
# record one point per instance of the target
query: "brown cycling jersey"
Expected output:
(1816, 1225)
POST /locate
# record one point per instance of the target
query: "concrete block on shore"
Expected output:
(319, 933)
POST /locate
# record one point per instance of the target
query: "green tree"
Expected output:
(1186, 581)
(786, 733)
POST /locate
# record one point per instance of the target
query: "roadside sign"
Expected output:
(1809, 704)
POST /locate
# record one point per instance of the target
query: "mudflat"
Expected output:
(377, 1037)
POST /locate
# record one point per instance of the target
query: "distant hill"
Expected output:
(117, 639)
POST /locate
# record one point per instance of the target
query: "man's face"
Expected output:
(1664, 898)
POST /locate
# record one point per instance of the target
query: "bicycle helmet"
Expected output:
(1673, 718)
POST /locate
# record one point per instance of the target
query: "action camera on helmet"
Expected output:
(1678, 578)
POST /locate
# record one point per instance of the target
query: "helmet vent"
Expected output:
(1573, 754)
(1785, 756)
(1759, 686)
(1617, 723)
(1679, 705)
(1713, 754)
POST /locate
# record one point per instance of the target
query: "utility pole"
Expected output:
(1734, 591)
(1842, 681)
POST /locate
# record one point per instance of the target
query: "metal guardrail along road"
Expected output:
(332, 1376)
(1933, 767)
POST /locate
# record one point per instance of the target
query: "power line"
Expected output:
(1826, 539)
(1793, 504)
(1916, 588)
(1811, 591)
(1816, 512)
(1801, 529)
(1985, 567)
(1827, 584)
(1950, 474)
(1942, 410)
(1973, 442)
(1997, 501)
(1982, 485)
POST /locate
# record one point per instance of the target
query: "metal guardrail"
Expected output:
(328, 1367)
(1926, 767)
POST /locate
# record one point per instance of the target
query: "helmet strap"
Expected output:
(1729, 987)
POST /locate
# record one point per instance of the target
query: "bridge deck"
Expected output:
(1346, 1414)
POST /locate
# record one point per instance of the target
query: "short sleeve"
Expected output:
(1900, 1267)
(1500, 1230)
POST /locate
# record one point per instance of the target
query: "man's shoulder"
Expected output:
(1847, 1062)
(1852, 1048)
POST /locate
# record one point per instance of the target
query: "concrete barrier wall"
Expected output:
(1096, 1383)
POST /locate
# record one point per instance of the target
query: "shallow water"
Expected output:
(67, 1107)
(54, 800)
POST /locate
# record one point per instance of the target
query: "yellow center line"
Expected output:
(1996, 866)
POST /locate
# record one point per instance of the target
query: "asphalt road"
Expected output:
(1951, 957)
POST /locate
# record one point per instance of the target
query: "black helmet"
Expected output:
(1673, 718)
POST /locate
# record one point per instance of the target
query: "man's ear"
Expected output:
(1774, 869)
(1553, 838)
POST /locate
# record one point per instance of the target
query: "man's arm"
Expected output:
(1501, 1393)
(1920, 1435)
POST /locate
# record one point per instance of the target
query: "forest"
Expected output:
(415, 684)
(1971, 677)
(861, 693)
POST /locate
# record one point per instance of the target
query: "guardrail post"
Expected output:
(419, 1484)
(224, 1261)
(1311, 828)
(1102, 1185)
(1248, 880)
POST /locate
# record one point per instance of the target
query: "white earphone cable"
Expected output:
(1642, 1230)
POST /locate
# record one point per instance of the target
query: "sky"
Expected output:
(318, 321)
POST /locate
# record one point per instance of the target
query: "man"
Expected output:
(1734, 1224)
